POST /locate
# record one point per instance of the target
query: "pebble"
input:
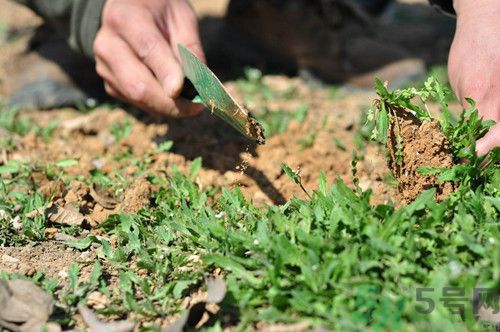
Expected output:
(63, 274)
(9, 259)
(95, 245)
(63, 237)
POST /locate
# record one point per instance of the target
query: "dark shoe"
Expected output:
(47, 93)
(332, 40)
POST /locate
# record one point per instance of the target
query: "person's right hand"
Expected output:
(136, 53)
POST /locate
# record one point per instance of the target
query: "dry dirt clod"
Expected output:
(137, 196)
(97, 300)
(423, 144)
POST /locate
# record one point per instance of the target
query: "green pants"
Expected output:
(77, 20)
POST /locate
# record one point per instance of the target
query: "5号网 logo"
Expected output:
(484, 302)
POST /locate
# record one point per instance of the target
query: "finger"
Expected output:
(131, 78)
(185, 107)
(188, 108)
(145, 38)
(113, 92)
(489, 141)
(183, 28)
(105, 73)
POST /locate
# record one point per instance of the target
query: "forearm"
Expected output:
(77, 20)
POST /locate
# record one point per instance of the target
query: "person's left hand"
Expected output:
(474, 63)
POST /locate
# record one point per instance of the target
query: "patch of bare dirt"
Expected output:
(51, 258)
(423, 144)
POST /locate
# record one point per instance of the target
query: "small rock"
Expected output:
(107, 139)
(97, 300)
(51, 231)
(63, 274)
(9, 259)
(95, 245)
(97, 163)
(63, 237)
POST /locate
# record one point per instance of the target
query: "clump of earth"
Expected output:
(422, 144)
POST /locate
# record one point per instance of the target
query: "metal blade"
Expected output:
(217, 99)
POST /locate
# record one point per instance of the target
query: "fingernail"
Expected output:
(481, 149)
(173, 85)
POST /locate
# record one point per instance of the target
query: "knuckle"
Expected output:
(135, 91)
(146, 44)
(100, 69)
(190, 18)
(100, 46)
(113, 18)
(109, 90)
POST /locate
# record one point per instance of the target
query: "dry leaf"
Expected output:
(66, 215)
(103, 197)
(95, 324)
(24, 306)
(216, 291)
(297, 327)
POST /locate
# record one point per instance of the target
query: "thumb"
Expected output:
(183, 28)
(489, 141)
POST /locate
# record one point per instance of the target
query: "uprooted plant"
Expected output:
(423, 152)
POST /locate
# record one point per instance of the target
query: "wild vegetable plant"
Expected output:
(462, 133)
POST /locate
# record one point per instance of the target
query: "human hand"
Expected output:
(136, 53)
(474, 62)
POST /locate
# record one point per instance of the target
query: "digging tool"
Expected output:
(217, 99)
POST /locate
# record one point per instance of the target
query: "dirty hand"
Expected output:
(136, 53)
(474, 62)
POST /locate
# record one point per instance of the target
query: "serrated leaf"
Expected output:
(381, 89)
(165, 146)
(383, 124)
(66, 163)
(82, 244)
(195, 167)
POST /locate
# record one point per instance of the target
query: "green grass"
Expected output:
(333, 260)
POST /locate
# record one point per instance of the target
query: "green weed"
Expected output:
(333, 260)
(121, 130)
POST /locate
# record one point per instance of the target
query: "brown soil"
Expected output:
(50, 258)
(424, 144)
(229, 160)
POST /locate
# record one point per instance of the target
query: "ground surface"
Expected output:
(68, 151)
